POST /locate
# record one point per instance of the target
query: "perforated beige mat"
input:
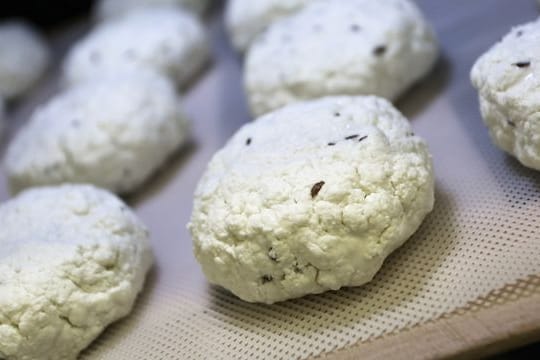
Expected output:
(466, 284)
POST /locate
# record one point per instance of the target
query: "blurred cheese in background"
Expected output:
(113, 131)
(355, 47)
(166, 39)
(24, 56)
(245, 19)
(105, 9)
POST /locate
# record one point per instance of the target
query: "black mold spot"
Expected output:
(522, 64)
(266, 278)
(350, 137)
(355, 28)
(379, 50)
(362, 138)
(511, 123)
(316, 188)
(331, 143)
(248, 141)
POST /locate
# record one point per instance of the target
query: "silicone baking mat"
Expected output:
(466, 284)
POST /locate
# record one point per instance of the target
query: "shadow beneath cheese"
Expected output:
(522, 196)
(163, 175)
(401, 295)
(115, 332)
(197, 76)
(422, 93)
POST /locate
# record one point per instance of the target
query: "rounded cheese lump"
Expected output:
(354, 47)
(72, 261)
(310, 198)
(507, 77)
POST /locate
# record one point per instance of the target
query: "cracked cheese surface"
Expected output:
(72, 260)
(311, 198)
(507, 77)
